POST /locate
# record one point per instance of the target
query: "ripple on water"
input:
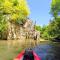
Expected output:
(47, 52)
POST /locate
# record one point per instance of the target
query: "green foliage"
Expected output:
(54, 28)
(12, 10)
(17, 9)
(52, 31)
(44, 32)
(3, 27)
(55, 8)
(38, 28)
(3, 24)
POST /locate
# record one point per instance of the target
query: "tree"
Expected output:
(17, 9)
(55, 8)
(54, 26)
(44, 32)
(3, 27)
(38, 28)
(13, 10)
(54, 29)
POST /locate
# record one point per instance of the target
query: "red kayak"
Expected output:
(21, 55)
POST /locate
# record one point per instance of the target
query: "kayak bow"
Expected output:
(20, 56)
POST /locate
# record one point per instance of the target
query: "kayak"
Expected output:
(20, 56)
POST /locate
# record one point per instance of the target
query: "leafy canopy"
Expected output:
(12, 10)
(55, 8)
(17, 9)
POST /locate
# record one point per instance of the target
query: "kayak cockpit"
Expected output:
(27, 55)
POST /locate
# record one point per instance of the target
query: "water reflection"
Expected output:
(48, 51)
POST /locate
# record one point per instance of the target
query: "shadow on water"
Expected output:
(48, 51)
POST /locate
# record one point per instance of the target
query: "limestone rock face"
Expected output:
(18, 32)
(11, 31)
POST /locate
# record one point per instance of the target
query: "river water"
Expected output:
(48, 51)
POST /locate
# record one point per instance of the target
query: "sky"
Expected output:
(40, 11)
